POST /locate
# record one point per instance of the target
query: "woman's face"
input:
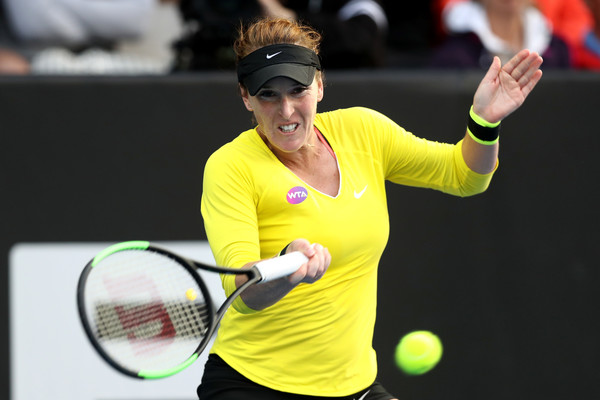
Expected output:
(285, 111)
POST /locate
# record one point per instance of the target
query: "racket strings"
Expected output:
(118, 320)
(146, 310)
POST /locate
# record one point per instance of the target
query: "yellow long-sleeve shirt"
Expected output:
(318, 339)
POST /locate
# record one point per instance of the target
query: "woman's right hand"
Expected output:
(318, 261)
(259, 297)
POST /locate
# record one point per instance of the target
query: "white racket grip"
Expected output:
(278, 267)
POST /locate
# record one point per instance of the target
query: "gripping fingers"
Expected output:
(317, 265)
(315, 268)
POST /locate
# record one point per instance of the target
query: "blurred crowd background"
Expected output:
(58, 37)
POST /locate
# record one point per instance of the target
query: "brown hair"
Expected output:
(267, 31)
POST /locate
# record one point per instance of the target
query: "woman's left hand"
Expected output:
(504, 88)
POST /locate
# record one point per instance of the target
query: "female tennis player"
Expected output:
(315, 182)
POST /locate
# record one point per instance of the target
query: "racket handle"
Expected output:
(278, 267)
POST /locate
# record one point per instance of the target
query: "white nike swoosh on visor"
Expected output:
(269, 56)
(359, 194)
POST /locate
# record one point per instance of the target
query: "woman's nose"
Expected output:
(286, 108)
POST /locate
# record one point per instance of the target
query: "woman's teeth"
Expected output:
(288, 128)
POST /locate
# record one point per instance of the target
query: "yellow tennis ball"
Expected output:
(418, 352)
(191, 294)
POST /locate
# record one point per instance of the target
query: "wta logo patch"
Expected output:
(297, 195)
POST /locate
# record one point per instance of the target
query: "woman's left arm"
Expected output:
(502, 90)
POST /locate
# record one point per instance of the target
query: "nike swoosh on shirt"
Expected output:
(364, 396)
(269, 56)
(359, 194)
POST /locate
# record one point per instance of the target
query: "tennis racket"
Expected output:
(147, 311)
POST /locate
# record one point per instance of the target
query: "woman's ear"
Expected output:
(245, 97)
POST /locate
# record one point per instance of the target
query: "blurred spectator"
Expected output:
(411, 33)
(571, 20)
(82, 36)
(209, 28)
(481, 29)
(587, 54)
(11, 61)
(353, 31)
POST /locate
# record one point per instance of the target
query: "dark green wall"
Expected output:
(508, 279)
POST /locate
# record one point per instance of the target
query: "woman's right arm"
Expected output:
(259, 297)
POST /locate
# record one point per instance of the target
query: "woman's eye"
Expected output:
(299, 90)
(266, 94)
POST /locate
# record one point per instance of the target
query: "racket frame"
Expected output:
(191, 266)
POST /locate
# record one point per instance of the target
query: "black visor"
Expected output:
(289, 60)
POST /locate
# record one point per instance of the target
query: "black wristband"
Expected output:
(482, 131)
(282, 252)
